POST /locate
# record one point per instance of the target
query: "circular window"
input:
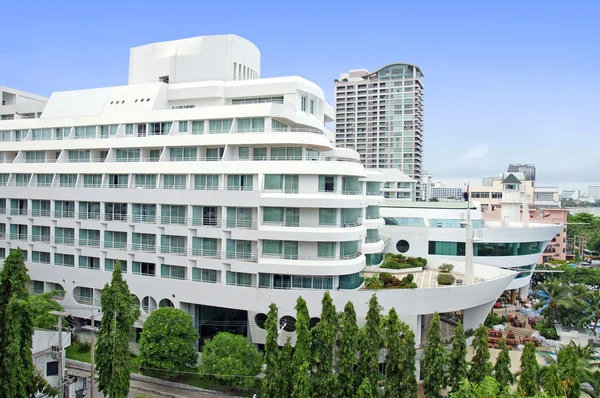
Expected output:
(288, 323)
(117, 102)
(165, 303)
(112, 102)
(402, 246)
(142, 100)
(313, 322)
(260, 320)
(123, 101)
(147, 99)
(136, 100)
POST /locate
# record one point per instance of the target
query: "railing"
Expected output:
(89, 216)
(284, 256)
(85, 300)
(142, 247)
(64, 241)
(115, 245)
(205, 253)
(64, 214)
(309, 225)
(115, 217)
(177, 250)
(90, 267)
(143, 273)
(18, 212)
(372, 240)
(372, 216)
(16, 236)
(40, 213)
(243, 256)
(89, 242)
(41, 238)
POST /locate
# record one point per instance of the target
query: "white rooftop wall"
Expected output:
(195, 59)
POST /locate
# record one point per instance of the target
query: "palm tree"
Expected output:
(591, 308)
(584, 365)
(553, 294)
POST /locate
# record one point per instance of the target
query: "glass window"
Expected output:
(85, 132)
(238, 279)
(239, 249)
(285, 183)
(64, 236)
(205, 247)
(240, 182)
(183, 126)
(89, 262)
(65, 260)
(251, 125)
(204, 275)
(206, 182)
(144, 213)
(303, 104)
(220, 126)
(40, 208)
(351, 217)
(405, 221)
(40, 234)
(186, 154)
(326, 250)
(161, 128)
(155, 155)
(259, 154)
(128, 155)
(174, 181)
(140, 268)
(92, 180)
(350, 282)
(173, 244)
(40, 257)
(89, 237)
(22, 180)
(239, 217)
(327, 183)
(327, 216)
(143, 242)
(89, 211)
(64, 209)
(118, 181)
(205, 215)
(286, 153)
(244, 152)
(173, 214)
(145, 181)
(115, 211)
(35, 157)
(41, 134)
(277, 126)
(115, 240)
(172, 272)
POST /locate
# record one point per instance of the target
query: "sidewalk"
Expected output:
(145, 386)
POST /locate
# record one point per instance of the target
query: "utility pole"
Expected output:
(92, 329)
(61, 348)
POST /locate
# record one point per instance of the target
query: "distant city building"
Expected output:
(593, 190)
(398, 185)
(490, 196)
(570, 194)
(546, 197)
(527, 169)
(18, 104)
(426, 184)
(440, 192)
(380, 115)
(489, 180)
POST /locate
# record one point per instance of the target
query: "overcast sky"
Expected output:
(508, 81)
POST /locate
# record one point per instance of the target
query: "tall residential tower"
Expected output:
(380, 115)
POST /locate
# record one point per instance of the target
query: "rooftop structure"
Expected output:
(17, 104)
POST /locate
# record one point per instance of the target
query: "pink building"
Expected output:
(557, 248)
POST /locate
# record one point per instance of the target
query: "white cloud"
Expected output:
(477, 152)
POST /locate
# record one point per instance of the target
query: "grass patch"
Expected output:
(78, 356)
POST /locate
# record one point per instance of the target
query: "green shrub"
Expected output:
(84, 346)
(385, 275)
(409, 278)
(445, 279)
(493, 319)
(446, 267)
(411, 285)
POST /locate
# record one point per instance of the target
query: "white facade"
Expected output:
(546, 197)
(440, 192)
(215, 195)
(437, 230)
(17, 104)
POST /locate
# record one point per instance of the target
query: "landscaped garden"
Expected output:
(385, 280)
(398, 261)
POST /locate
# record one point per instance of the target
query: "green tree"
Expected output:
(301, 379)
(432, 365)
(393, 358)
(41, 305)
(487, 388)
(551, 381)
(528, 385)
(457, 364)
(17, 372)
(552, 295)
(569, 374)
(591, 309)
(502, 372)
(323, 340)
(232, 359)
(365, 390)
(168, 341)
(272, 383)
(371, 343)
(286, 369)
(480, 365)
(408, 370)
(119, 313)
(348, 347)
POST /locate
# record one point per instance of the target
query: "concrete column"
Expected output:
(513, 296)
(523, 292)
(476, 315)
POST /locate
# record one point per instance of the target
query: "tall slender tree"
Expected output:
(301, 359)
(393, 358)
(365, 390)
(502, 372)
(286, 369)
(17, 372)
(551, 381)
(271, 383)
(372, 341)
(408, 372)
(569, 373)
(348, 347)
(480, 365)
(119, 313)
(457, 364)
(323, 340)
(528, 385)
(432, 365)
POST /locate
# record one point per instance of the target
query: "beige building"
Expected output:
(490, 196)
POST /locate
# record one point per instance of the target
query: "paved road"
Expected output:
(141, 388)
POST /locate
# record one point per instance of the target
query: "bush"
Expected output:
(84, 346)
(232, 359)
(493, 319)
(446, 267)
(409, 278)
(445, 279)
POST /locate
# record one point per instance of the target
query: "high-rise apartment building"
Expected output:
(593, 190)
(380, 115)
(528, 170)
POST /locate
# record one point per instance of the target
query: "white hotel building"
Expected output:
(219, 192)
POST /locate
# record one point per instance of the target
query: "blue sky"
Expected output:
(510, 81)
